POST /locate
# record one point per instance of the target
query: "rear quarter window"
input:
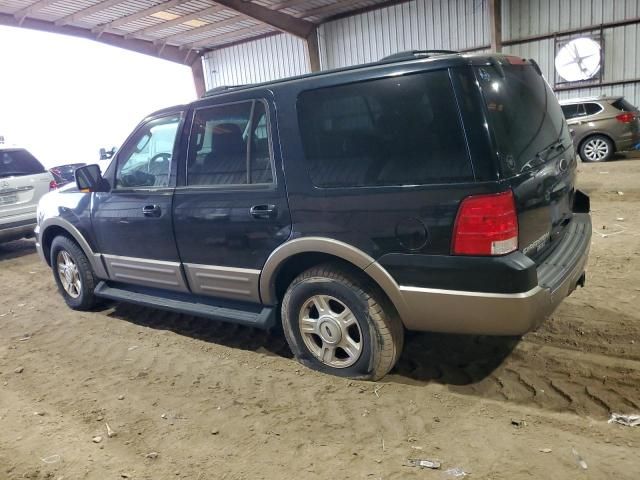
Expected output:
(402, 130)
(592, 108)
(17, 162)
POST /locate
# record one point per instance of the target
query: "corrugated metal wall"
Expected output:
(442, 24)
(419, 24)
(523, 18)
(261, 60)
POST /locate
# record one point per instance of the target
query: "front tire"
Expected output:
(340, 323)
(596, 148)
(73, 274)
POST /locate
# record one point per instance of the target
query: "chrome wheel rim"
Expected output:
(596, 149)
(330, 331)
(68, 274)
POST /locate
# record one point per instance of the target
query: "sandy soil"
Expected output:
(194, 399)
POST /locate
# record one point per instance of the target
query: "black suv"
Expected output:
(430, 191)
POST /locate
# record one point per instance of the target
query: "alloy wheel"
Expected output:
(330, 331)
(69, 274)
(596, 149)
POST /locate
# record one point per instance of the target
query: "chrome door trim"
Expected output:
(224, 282)
(146, 272)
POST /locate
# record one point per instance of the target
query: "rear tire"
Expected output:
(73, 274)
(340, 323)
(596, 148)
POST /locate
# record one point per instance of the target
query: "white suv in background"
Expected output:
(23, 181)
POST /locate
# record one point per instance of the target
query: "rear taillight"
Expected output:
(53, 185)
(626, 117)
(486, 225)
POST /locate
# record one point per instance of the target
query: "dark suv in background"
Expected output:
(602, 126)
(428, 192)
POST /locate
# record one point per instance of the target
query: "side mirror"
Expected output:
(89, 179)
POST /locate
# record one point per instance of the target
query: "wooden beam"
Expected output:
(281, 21)
(85, 12)
(170, 53)
(313, 50)
(495, 20)
(147, 12)
(177, 21)
(205, 28)
(198, 76)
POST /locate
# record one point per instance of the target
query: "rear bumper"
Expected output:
(15, 231)
(486, 313)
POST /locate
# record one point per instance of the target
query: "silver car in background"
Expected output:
(601, 126)
(23, 181)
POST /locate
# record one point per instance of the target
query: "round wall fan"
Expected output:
(578, 60)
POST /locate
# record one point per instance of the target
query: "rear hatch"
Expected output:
(634, 123)
(23, 180)
(537, 158)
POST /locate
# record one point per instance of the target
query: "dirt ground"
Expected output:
(189, 398)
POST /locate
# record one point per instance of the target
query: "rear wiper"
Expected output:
(542, 155)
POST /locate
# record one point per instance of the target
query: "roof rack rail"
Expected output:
(413, 54)
(223, 88)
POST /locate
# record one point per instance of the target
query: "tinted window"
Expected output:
(145, 161)
(571, 111)
(524, 114)
(18, 162)
(230, 146)
(592, 108)
(394, 131)
(623, 105)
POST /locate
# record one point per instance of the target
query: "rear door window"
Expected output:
(18, 162)
(229, 146)
(403, 130)
(572, 111)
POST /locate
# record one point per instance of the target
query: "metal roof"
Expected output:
(175, 28)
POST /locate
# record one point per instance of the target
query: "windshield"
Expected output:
(524, 114)
(18, 162)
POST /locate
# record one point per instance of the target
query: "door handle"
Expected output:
(263, 211)
(151, 211)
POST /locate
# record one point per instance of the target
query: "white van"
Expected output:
(23, 181)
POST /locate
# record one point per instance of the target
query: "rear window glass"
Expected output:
(524, 114)
(18, 162)
(394, 131)
(623, 105)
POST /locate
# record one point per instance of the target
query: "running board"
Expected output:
(251, 315)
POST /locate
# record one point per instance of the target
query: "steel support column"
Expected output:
(198, 76)
(495, 20)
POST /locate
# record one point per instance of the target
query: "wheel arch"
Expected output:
(295, 256)
(596, 133)
(53, 227)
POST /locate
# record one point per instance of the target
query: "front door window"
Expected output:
(146, 158)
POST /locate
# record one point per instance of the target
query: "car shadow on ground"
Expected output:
(211, 331)
(451, 359)
(427, 357)
(16, 249)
